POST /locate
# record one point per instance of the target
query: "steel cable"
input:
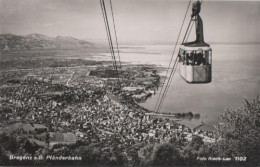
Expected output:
(158, 104)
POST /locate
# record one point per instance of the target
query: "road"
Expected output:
(67, 83)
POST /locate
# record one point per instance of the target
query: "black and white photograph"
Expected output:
(130, 83)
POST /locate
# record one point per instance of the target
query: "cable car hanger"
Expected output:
(196, 7)
(196, 56)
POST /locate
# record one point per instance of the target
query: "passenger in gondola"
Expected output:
(192, 58)
(181, 57)
(187, 58)
(184, 58)
(203, 60)
(195, 58)
(200, 59)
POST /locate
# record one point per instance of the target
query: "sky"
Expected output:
(153, 21)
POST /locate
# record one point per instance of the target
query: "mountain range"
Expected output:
(10, 42)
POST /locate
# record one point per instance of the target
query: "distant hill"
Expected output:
(38, 41)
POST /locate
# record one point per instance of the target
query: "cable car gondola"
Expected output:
(196, 57)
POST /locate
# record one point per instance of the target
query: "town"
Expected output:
(60, 106)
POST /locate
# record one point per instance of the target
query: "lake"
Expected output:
(235, 75)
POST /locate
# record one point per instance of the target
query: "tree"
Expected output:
(165, 154)
(12, 144)
(4, 160)
(30, 147)
(192, 150)
(240, 132)
(197, 142)
(4, 139)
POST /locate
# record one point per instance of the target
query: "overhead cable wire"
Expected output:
(109, 34)
(189, 32)
(120, 65)
(158, 104)
(109, 43)
(173, 70)
(110, 39)
(186, 31)
(168, 84)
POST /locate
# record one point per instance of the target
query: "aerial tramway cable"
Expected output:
(176, 62)
(120, 65)
(159, 103)
(175, 66)
(109, 35)
(110, 41)
(189, 29)
(189, 32)
(109, 44)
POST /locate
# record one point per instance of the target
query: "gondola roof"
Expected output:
(193, 48)
(196, 44)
